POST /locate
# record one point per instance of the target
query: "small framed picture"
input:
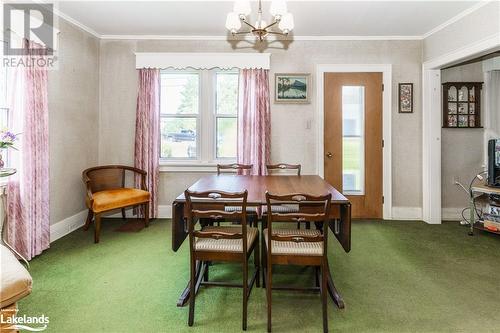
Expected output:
(406, 98)
(292, 88)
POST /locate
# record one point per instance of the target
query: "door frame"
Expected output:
(386, 70)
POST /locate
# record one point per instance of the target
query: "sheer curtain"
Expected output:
(147, 133)
(254, 119)
(28, 227)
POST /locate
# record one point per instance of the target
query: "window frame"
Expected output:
(206, 141)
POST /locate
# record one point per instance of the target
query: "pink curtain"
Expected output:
(147, 133)
(28, 227)
(254, 121)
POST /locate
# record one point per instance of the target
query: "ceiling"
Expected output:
(313, 19)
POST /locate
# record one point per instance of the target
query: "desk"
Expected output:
(480, 189)
(340, 222)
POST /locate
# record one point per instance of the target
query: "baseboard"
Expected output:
(69, 224)
(451, 214)
(407, 213)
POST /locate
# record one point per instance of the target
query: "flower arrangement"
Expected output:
(7, 139)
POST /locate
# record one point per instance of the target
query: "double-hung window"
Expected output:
(198, 116)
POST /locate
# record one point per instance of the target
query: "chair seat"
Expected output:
(293, 248)
(15, 281)
(225, 245)
(118, 198)
(287, 208)
(250, 210)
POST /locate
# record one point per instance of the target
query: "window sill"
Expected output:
(187, 166)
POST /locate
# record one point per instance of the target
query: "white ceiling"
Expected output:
(312, 18)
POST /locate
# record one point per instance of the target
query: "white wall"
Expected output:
(73, 118)
(461, 148)
(291, 141)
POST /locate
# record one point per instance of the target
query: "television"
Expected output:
(494, 162)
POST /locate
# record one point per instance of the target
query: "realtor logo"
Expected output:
(28, 21)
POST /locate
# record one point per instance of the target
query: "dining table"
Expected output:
(339, 222)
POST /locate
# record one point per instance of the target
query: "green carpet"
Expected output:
(399, 277)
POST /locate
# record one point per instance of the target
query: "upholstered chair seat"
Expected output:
(225, 245)
(295, 248)
(291, 208)
(250, 210)
(118, 198)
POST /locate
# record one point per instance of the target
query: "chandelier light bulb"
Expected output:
(242, 7)
(278, 8)
(233, 22)
(287, 24)
(260, 24)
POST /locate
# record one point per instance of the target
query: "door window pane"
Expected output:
(178, 138)
(180, 93)
(353, 132)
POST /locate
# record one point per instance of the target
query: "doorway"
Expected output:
(353, 140)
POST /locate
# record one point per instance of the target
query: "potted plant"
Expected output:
(7, 140)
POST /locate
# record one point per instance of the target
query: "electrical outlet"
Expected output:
(455, 180)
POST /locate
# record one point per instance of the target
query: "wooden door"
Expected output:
(353, 139)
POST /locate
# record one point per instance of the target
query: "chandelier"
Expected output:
(281, 20)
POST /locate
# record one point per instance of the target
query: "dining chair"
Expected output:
(304, 247)
(243, 169)
(220, 243)
(106, 191)
(283, 169)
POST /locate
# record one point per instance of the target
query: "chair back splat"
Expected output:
(241, 169)
(283, 169)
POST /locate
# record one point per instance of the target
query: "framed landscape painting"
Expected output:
(292, 88)
(405, 97)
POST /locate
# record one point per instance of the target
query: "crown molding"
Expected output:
(295, 38)
(457, 17)
(225, 38)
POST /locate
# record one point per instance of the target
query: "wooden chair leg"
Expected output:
(269, 284)
(192, 293)
(89, 220)
(97, 230)
(324, 295)
(146, 214)
(256, 259)
(264, 260)
(123, 213)
(245, 292)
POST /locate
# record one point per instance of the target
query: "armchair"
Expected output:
(106, 191)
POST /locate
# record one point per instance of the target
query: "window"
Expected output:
(198, 116)
(353, 142)
(4, 111)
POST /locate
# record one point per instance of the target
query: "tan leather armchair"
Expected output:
(106, 191)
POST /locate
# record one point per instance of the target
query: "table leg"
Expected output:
(201, 267)
(332, 290)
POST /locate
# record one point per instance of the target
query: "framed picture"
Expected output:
(406, 98)
(292, 88)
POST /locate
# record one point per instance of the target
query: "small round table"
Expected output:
(6, 172)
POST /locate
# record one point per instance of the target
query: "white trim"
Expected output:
(76, 23)
(172, 167)
(386, 69)
(483, 45)
(407, 213)
(455, 18)
(431, 146)
(69, 224)
(202, 60)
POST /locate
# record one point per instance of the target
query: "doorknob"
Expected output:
(329, 155)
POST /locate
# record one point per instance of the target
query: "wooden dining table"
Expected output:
(339, 224)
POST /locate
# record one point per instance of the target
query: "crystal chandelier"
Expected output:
(281, 18)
